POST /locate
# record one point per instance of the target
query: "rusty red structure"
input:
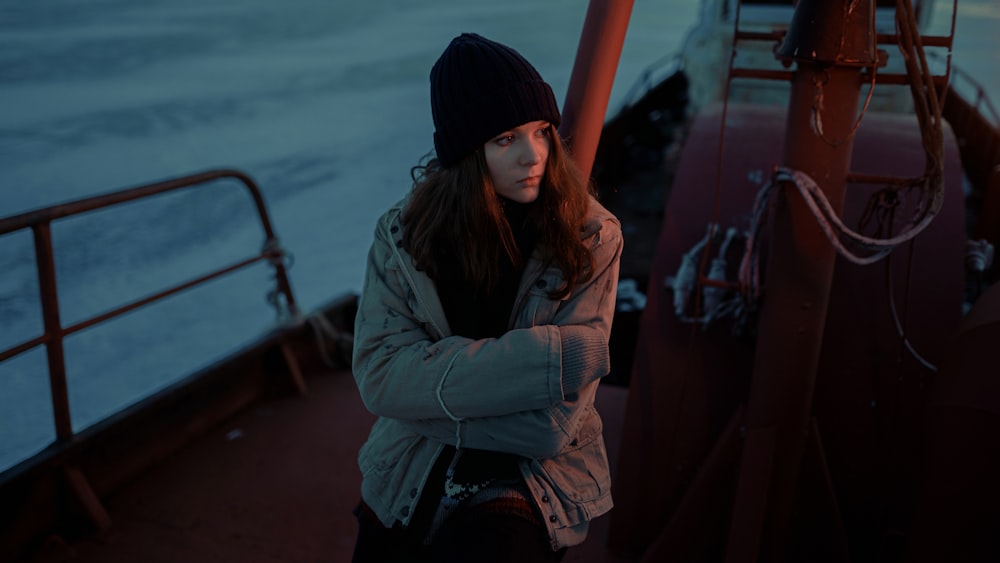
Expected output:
(805, 438)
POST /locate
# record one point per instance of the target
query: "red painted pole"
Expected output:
(830, 44)
(593, 75)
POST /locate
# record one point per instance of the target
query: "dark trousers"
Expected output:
(467, 536)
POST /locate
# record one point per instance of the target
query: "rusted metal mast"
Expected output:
(593, 75)
(830, 42)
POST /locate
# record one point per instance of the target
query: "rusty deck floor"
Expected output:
(275, 483)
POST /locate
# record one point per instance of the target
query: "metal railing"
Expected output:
(979, 99)
(40, 220)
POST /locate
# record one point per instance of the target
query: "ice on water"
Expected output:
(324, 104)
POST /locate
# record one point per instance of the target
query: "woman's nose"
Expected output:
(532, 152)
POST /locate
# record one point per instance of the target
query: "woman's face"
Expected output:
(516, 159)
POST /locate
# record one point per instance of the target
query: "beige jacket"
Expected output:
(429, 387)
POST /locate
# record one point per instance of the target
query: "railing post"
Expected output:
(53, 329)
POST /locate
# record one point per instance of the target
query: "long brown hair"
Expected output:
(458, 206)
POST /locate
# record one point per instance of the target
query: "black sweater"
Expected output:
(474, 312)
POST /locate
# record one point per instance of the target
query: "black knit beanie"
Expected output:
(480, 88)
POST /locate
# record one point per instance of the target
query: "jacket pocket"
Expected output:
(386, 446)
(539, 308)
(581, 474)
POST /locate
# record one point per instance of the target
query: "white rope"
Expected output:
(978, 255)
(717, 302)
(749, 272)
(899, 325)
(712, 296)
(834, 228)
(684, 282)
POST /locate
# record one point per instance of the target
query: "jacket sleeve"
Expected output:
(405, 370)
(545, 432)
(536, 434)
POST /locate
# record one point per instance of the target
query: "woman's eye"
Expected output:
(543, 131)
(504, 140)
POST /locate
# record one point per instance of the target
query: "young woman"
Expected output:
(482, 332)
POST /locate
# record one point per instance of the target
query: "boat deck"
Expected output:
(275, 483)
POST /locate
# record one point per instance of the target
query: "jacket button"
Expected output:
(406, 511)
(413, 493)
(540, 284)
(553, 518)
(545, 498)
